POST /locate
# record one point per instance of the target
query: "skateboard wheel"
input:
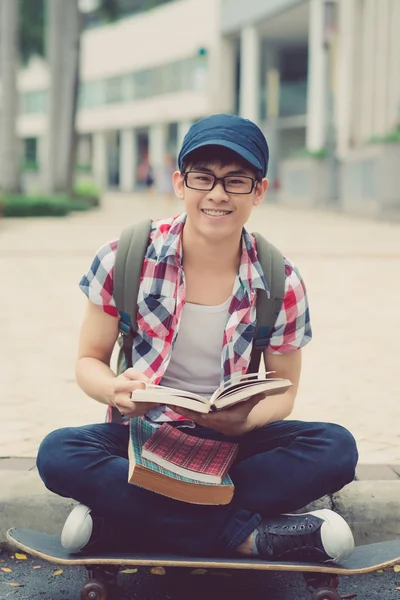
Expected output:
(94, 590)
(328, 594)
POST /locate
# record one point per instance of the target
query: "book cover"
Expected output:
(196, 458)
(155, 478)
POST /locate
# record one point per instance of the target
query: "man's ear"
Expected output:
(261, 188)
(179, 185)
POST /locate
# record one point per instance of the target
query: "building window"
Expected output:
(142, 83)
(293, 89)
(117, 89)
(34, 102)
(30, 154)
(92, 93)
(178, 76)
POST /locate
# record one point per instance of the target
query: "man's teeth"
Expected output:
(216, 213)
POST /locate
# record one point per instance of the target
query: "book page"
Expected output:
(245, 385)
(185, 401)
(160, 390)
(268, 387)
(238, 381)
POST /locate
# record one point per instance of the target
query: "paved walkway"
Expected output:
(351, 267)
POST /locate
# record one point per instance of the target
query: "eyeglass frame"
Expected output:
(222, 179)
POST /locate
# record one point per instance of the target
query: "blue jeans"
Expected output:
(280, 468)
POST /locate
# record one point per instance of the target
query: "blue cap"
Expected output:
(239, 135)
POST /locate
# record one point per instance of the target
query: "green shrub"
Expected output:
(60, 205)
(80, 203)
(87, 191)
(86, 188)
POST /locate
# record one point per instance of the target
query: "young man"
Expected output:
(196, 314)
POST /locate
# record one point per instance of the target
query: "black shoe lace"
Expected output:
(287, 539)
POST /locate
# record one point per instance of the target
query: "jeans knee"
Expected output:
(343, 453)
(49, 457)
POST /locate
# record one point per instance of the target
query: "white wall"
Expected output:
(238, 13)
(34, 77)
(167, 108)
(162, 35)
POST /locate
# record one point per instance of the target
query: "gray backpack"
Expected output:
(131, 251)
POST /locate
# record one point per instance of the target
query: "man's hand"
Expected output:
(229, 421)
(124, 385)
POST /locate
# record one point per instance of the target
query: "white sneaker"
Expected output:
(317, 536)
(78, 529)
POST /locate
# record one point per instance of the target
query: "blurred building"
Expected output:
(144, 80)
(321, 77)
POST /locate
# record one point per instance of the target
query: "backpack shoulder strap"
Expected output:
(273, 266)
(131, 251)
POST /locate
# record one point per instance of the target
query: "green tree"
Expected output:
(31, 28)
(63, 28)
(9, 171)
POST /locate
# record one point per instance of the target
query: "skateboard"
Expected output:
(321, 578)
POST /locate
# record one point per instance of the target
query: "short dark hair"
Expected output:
(216, 155)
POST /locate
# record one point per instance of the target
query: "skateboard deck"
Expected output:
(321, 576)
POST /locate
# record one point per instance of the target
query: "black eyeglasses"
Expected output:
(232, 184)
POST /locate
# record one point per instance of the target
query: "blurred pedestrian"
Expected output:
(166, 187)
(145, 176)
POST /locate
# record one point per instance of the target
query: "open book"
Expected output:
(238, 389)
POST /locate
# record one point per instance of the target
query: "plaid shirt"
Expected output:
(161, 299)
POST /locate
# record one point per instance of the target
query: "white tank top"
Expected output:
(195, 363)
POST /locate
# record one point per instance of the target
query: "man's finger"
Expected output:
(131, 386)
(135, 375)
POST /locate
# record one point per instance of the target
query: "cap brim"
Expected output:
(248, 156)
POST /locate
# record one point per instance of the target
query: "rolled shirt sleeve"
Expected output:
(98, 283)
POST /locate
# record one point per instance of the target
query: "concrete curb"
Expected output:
(370, 507)
(25, 502)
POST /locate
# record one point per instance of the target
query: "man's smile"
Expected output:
(211, 212)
